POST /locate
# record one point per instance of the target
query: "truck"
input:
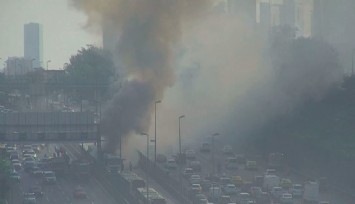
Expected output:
(112, 163)
(271, 181)
(311, 192)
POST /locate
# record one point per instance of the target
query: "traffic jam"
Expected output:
(224, 177)
(34, 171)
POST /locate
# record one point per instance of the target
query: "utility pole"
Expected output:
(180, 155)
(155, 132)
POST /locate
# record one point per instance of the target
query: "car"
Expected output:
(14, 156)
(243, 198)
(286, 183)
(227, 150)
(276, 192)
(37, 190)
(36, 147)
(190, 154)
(270, 172)
(251, 165)
(286, 198)
(195, 179)
(36, 171)
(199, 198)
(255, 191)
(214, 192)
(224, 180)
(15, 176)
(17, 166)
(195, 165)
(28, 165)
(171, 164)
(240, 158)
(79, 193)
(32, 153)
(205, 147)
(224, 199)
(230, 189)
(29, 159)
(206, 184)
(188, 172)
(196, 188)
(297, 190)
(231, 163)
(49, 177)
(237, 181)
(29, 198)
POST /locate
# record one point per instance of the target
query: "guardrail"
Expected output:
(162, 178)
(112, 188)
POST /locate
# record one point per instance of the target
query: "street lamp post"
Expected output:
(179, 157)
(155, 130)
(147, 184)
(48, 61)
(352, 61)
(213, 162)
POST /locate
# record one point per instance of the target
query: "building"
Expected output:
(33, 43)
(303, 17)
(244, 9)
(265, 16)
(17, 66)
(287, 13)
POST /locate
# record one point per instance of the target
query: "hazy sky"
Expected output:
(63, 32)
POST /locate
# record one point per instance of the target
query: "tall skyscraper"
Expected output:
(109, 36)
(244, 9)
(265, 16)
(287, 13)
(33, 39)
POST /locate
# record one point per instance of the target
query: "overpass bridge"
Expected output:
(48, 127)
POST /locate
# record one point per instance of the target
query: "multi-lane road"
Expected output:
(61, 192)
(206, 161)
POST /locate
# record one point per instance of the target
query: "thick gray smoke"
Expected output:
(148, 31)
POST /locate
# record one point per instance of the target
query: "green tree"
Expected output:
(4, 177)
(90, 71)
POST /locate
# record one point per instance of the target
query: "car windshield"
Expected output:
(49, 174)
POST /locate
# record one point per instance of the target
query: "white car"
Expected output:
(196, 188)
(227, 149)
(171, 164)
(297, 190)
(49, 177)
(277, 192)
(230, 189)
(188, 172)
(243, 198)
(190, 154)
(286, 198)
(195, 179)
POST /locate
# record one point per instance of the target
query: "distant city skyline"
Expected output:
(64, 27)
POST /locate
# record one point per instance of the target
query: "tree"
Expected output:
(90, 71)
(4, 177)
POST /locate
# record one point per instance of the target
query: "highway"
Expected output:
(62, 191)
(207, 168)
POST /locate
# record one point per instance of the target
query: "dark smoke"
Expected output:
(148, 31)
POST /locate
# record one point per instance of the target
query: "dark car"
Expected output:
(37, 190)
(79, 193)
(36, 171)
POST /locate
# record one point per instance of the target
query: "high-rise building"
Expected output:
(287, 13)
(33, 47)
(265, 16)
(17, 66)
(244, 9)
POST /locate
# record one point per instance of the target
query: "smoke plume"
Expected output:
(148, 31)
